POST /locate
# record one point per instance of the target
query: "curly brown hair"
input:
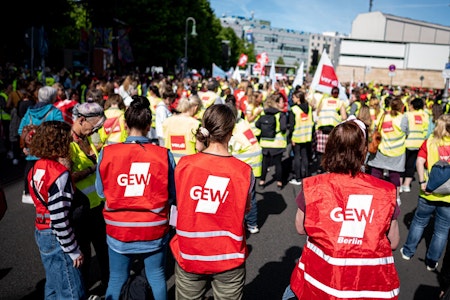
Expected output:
(51, 140)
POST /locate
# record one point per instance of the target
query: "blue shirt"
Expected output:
(139, 246)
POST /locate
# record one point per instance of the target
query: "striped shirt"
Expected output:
(60, 196)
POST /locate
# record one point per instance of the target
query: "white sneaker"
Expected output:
(26, 198)
(403, 255)
(405, 189)
(253, 229)
(399, 201)
(295, 181)
(15, 161)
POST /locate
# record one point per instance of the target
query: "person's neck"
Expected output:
(217, 149)
(136, 132)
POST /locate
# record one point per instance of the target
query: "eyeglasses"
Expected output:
(96, 127)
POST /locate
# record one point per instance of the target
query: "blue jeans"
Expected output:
(119, 268)
(424, 211)
(251, 217)
(62, 279)
(288, 294)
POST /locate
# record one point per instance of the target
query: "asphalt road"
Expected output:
(273, 251)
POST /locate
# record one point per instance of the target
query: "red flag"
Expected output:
(262, 59)
(328, 76)
(242, 60)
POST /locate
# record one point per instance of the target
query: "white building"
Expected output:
(417, 49)
(293, 46)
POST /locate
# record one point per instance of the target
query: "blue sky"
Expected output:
(317, 16)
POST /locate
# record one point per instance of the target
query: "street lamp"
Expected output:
(194, 34)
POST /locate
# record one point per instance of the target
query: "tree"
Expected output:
(280, 61)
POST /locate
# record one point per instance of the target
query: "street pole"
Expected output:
(193, 33)
(446, 73)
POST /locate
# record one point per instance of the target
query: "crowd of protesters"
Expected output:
(108, 109)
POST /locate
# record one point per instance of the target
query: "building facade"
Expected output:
(293, 46)
(394, 50)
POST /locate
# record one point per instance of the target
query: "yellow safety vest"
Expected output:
(256, 131)
(432, 158)
(154, 101)
(392, 137)
(179, 135)
(280, 138)
(303, 125)
(358, 104)
(329, 113)
(418, 128)
(80, 161)
(208, 98)
(245, 146)
(4, 115)
(113, 130)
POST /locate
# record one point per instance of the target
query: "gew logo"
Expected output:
(211, 194)
(135, 181)
(355, 216)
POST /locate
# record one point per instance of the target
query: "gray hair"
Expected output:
(87, 109)
(47, 94)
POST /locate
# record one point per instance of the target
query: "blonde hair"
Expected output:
(272, 100)
(185, 104)
(442, 128)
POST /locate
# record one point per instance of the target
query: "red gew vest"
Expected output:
(212, 194)
(347, 254)
(135, 185)
(44, 173)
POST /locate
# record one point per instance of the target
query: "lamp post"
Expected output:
(193, 33)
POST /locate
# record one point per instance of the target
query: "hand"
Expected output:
(78, 261)
(423, 186)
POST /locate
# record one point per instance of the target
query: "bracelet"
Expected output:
(422, 182)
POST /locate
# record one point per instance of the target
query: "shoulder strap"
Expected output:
(46, 115)
(381, 122)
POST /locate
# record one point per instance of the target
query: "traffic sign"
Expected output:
(392, 68)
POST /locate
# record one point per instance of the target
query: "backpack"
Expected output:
(268, 124)
(136, 287)
(439, 178)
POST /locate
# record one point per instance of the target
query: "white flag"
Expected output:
(299, 77)
(273, 75)
(236, 75)
(325, 77)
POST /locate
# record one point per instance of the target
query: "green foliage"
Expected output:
(156, 30)
(280, 61)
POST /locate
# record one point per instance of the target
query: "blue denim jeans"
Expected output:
(288, 294)
(63, 280)
(119, 268)
(251, 217)
(424, 211)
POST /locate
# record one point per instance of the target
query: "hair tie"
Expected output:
(204, 131)
(358, 122)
